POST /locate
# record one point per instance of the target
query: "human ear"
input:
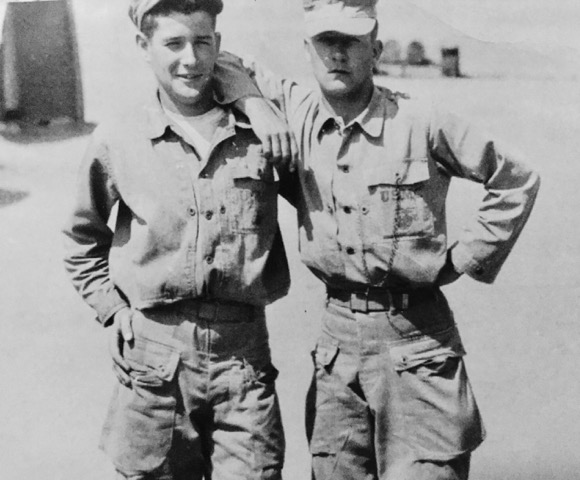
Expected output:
(143, 43)
(377, 50)
(307, 50)
(218, 41)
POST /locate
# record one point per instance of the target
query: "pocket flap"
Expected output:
(325, 353)
(168, 368)
(256, 170)
(425, 350)
(150, 360)
(407, 172)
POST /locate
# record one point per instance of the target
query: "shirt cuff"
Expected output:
(107, 309)
(464, 262)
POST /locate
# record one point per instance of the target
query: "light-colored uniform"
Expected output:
(390, 397)
(196, 249)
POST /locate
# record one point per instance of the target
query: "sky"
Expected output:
(552, 22)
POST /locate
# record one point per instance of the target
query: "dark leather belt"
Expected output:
(221, 311)
(379, 299)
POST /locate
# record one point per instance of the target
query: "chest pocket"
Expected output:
(251, 200)
(397, 202)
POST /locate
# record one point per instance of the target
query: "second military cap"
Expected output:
(351, 17)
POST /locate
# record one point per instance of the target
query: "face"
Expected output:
(343, 64)
(182, 53)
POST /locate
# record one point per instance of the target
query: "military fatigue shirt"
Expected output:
(371, 201)
(186, 227)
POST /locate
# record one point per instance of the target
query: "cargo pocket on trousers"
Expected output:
(321, 413)
(440, 418)
(138, 431)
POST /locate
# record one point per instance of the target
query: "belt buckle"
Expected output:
(359, 301)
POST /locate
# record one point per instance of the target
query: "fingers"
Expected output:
(122, 376)
(121, 332)
(127, 327)
(276, 141)
(294, 154)
(281, 149)
(267, 146)
(120, 366)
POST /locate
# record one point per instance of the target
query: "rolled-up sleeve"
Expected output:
(510, 186)
(88, 239)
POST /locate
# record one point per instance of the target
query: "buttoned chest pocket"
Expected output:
(251, 200)
(397, 202)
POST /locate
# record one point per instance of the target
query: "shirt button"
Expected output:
(350, 250)
(345, 168)
(329, 208)
(347, 209)
(209, 259)
(223, 209)
(365, 210)
(192, 211)
(209, 215)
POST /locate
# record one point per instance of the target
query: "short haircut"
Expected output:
(186, 7)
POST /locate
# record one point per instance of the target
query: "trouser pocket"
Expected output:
(338, 422)
(138, 431)
(440, 418)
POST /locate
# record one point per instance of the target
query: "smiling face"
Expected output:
(343, 64)
(182, 51)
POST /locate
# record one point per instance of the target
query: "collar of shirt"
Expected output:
(158, 122)
(371, 120)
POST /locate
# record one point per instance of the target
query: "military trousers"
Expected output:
(390, 398)
(202, 402)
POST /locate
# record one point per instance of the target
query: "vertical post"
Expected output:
(450, 62)
(79, 100)
(9, 71)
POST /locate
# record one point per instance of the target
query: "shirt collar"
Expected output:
(371, 119)
(158, 122)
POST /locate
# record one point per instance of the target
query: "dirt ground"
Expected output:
(522, 333)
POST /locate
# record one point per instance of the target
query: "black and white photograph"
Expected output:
(289, 239)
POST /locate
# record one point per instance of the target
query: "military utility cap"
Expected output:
(351, 17)
(139, 8)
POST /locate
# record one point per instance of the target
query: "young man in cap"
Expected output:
(390, 397)
(194, 257)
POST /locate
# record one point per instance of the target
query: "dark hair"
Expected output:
(167, 7)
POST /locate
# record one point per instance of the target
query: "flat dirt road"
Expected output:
(522, 333)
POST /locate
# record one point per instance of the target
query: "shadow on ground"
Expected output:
(8, 197)
(43, 132)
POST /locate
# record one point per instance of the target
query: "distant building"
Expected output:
(450, 62)
(39, 69)
(391, 53)
(416, 54)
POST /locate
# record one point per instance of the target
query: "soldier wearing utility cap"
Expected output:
(390, 397)
(194, 257)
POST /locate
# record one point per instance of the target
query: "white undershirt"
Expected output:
(199, 129)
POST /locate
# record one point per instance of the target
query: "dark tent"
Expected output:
(39, 68)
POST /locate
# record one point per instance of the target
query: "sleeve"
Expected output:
(510, 187)
(88, 239)
(231, 80)
(247, 78)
